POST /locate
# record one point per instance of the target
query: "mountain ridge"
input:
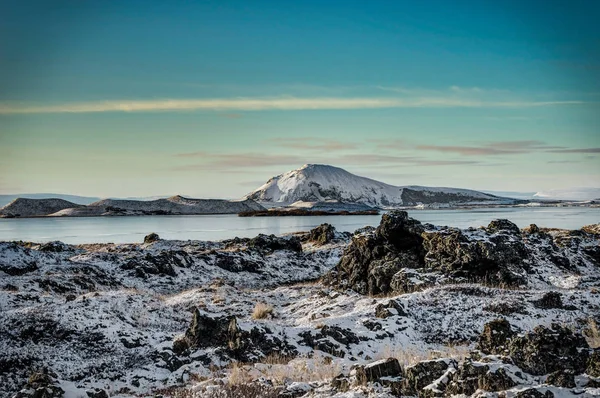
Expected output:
(175, 205)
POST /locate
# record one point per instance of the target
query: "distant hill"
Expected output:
(22, 207)
(175, 205)
(316, 183)
(80, 200)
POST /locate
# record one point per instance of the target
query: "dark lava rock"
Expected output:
(467, 379)
(593, 364)
(497, 260)
(341, 383)
(54, 247)
(495, 337)
(374, 372)
(533, 393)
(497, 380)
(97, 393)
(370, 261)
(224, 332)
(402, 255)
(531, 229)
(320, 340)
(163, 263)
(271, 243)
(236, 263)
(546, 350)
(321, 343)
(471, 377)
(388, 309)
(41, 385)
(503, 225)
(322, 234)
(424, 373)
(561, 378)
(205, 331)
(150, 238)
(549, 300)
(398, 229)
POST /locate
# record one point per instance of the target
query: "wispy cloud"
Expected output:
(210, 161)
(576, 150)
(312, 143)
(495, 148)
(279, 103)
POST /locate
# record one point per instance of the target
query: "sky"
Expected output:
(212, 98)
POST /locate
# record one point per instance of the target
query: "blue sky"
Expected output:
(210, 99)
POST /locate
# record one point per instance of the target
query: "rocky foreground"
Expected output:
(406, 309)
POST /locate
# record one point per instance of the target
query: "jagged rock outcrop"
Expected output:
(151, 238)
(402, 255)
(372, 259)
(321, 235)
(271, 243)
(41, 384)
(545, 350)
(495, 337)
(234, 342)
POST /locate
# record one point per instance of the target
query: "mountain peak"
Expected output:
(321, 182)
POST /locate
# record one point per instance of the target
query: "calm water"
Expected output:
(216, 227)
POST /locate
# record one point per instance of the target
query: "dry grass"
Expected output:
(262, 311)
(317, 368)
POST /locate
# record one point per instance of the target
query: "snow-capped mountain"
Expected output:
(316, 182)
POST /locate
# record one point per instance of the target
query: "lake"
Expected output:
(217, 227)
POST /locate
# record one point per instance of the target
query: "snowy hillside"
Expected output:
(407, 309)
(315, 182)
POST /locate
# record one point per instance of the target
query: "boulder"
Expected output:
(534, 393)
(593, 363)
(402, 255)
(270, 243)
(374, 371)
(224, 333)
(549, 300)
(152, 237)
(497, 259)
(388, 309)
(371, 259)
(561, 378)
(504, 226)
(163, 263)
(401, 231)
(322, 234)
(417, 376)
(545, 350)
(41, 384)
(341, 383)
(205, 331)
(495, 337)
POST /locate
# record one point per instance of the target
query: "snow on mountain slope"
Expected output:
(315, 182)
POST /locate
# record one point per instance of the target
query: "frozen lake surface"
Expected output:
(217, 227)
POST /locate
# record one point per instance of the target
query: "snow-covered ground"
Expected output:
(112, 317)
